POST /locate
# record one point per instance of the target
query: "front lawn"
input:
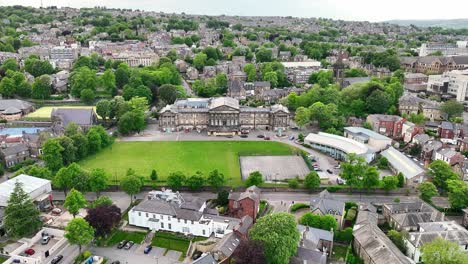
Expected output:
(173, 241)
(119, 235)
(185, 156)
(2, 259)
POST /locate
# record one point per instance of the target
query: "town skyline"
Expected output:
(363, 10)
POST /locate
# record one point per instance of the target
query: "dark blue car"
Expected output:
(148, 249)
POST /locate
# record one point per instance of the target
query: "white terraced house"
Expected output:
(169, 211)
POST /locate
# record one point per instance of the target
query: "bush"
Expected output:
(293, 183)
(3, 121)
(335, 188)
(351, 214)
(21, 165)
(349, 205)
(298, 206)
(345, 235)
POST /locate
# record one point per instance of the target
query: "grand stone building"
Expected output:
(221, 116)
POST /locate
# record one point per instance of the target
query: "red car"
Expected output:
(29, 251)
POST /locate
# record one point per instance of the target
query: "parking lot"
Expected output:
(135, 255)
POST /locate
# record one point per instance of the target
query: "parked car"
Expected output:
(340, 181)
(266, 138)
(244, 136)
(122, 244)
(229, 136)
(196, 255)
(129, 245)
(338, 166)
(45, 240)
(260, 136)
(318, 170)
(148, 249)
(57, 259)
(292, 137)
(116, 262)
(329, 171)
(29, 251)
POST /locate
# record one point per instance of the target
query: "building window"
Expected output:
(162, 217)
(169, 226)
(169, 218)
(162, 225)
(139, 213)
(147, 215)
(185, 221)
(203, 231)
(192, 222)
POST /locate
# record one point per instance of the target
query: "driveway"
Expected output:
(135, 255)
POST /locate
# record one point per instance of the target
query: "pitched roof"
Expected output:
(15, 149)
(19, 104)
(76, 115)
(402, 163)
(206, 258)
(325, 203)
(374, 242)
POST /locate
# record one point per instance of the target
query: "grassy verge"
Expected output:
(2, 259)
(119, 235)
(173, 241)
(339, 252)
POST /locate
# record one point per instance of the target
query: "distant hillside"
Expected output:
(444, 23)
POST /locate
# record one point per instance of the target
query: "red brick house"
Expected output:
(450, 132)
(388, 125)
(245, 203)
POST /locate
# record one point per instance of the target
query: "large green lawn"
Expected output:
(185, 156)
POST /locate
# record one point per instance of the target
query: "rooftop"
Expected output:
(369, 133)
(345, 144)
(29, 185)
(402, 163)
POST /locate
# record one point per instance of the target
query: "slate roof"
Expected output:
(450, 231)
(244, 225)
(206, 258)
(19, 104)
(235, 85)
(155, 206)
(220, 101)
(374, 242)
(15, 149)
(228, 244)
(11, 110)
(308, 255)
(325, 204)
(75, 115)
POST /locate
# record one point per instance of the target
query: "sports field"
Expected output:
(185, 156)
(44, 112)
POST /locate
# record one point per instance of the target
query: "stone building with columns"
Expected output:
(221, 116)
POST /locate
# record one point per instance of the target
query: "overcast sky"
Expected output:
(372, 10)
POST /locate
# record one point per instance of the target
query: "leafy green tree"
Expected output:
(441, 172)
(80, 141)
(70, 177)
(264, 55)
(101, 201)
(325, 222)
(7, 87)
(94, 141)
(41, 88)
(195, 182)
(52, 154)
(215, 179)
(122, 76)
(279, 235)
(9, 64)
(401, 180)
(255, 178)
(427, 190)
(452, 108)
(293, 183)
(74, 201)
(271, 77)
(378, 102)
(355, 72)
(131, 184)
(103, 109)
(352, 169)
(108, 82)
(79, 232)
(398, 239)
(251, 72)
(87, 96)
(69, 150)
(81, 79)
(168, 93)
(154, 175)
(440, 251)
(370, 178)
(390, 183)
(175, 180)
(312, 180)
(37, 67)
(98, 179)
(457, 195)
(21, 215)
(223, 198)
(37, 171)
(200, 60)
